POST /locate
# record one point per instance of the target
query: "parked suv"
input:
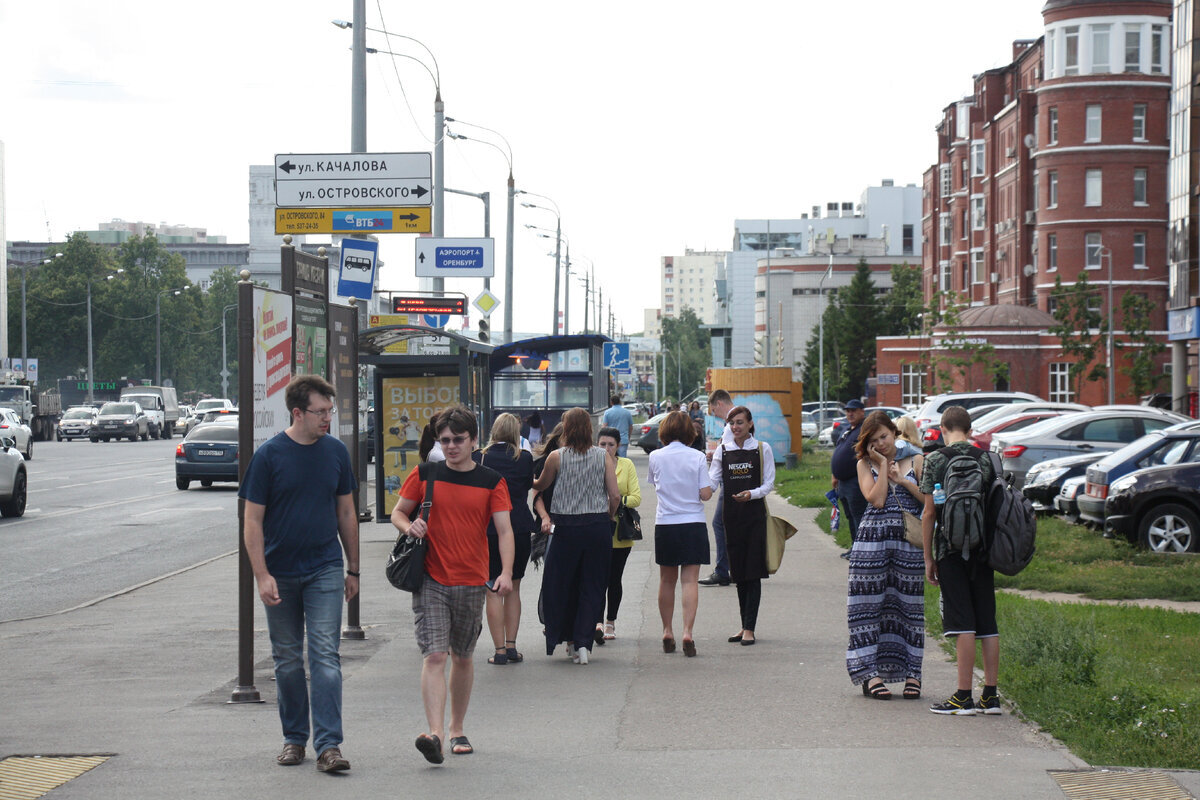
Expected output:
(1170, 446)
(1158, 508)
(121, 420)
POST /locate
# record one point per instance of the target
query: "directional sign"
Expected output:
(353, 179)
(357, 276)
(616, 356)
(455, 258)
(357, 220)
(436, 320)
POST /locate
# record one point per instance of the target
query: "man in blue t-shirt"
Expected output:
(299, 498)
(844, 466)
(617, 416)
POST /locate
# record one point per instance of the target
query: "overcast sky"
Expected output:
(652, 125)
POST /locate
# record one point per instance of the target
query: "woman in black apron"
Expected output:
(746, 471)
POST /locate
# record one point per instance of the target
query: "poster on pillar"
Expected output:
(311, 338)
(272, 323)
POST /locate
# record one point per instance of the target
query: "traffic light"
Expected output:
(760, 350)
(484, 335)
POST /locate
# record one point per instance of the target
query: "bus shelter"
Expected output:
(418, 371)
(550, 374)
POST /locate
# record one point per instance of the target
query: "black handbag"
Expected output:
(629, 523)
(406, 565)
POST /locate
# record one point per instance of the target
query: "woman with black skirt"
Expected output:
(745, 471)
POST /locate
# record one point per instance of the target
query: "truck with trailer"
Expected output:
(39, 410)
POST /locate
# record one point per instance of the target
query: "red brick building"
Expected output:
(1055, 165)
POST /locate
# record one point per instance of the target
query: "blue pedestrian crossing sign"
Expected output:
(616, 356)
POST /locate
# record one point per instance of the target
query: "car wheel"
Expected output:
(166, 431)
(182, 484)
(206, 484)
(28, 454)
(15, 506)
(146, 436)
(1170, 528)
(58, 437)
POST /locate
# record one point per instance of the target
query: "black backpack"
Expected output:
(1012, 524)
(962, 515)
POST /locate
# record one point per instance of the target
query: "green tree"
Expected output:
(1142, 367)
(852, 321)
(958, 352)
(1077, 319)
(685, 340)
(904, 305)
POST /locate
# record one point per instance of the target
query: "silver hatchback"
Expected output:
(1077, 433)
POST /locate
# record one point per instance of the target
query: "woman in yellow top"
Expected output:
(631, 495)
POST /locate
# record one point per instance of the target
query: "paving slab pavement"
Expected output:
(145, 676)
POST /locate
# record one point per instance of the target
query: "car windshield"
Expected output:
(78, 413)
(117, 408)
(9, 393)
(214, 433)
(206, 405)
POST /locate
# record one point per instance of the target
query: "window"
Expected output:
(947, 275)
(1100, 48)
(1051, 305)
(1092, 247)
(1060, 383)
(1052, 125)
(977, 266)
(946, 234)
(1091, 192)
(1052, 252)
(906, 242)
(1157, 39)
(966, 225)
(1133, 50)
(1139, 186)
(1139, 122)
(1139, 251)
(1037, 180)
(1071, 50)
(1052, 189)
(1111, 429)
(1048, 68)
(978, 216)
(944, 175)
(912, 384)
(977, 153)
(965, 174)
(1092, 132)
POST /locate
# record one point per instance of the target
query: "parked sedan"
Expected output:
(1067, 502)
(931, 434)
(1158, 508)
(1085, 431)
(981, 437)
(1044, 481)
(648, 433)
(22, 434)
(1170, 446)
(209, 453)
(808, 425)
(76, 423)
(121, 420)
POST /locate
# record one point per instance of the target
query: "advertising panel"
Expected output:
(311, 333)
(272, 322)
(406, 405)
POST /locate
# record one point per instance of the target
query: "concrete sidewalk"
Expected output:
(146, 676)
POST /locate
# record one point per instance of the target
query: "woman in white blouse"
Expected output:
(744, 471)
(679, 475)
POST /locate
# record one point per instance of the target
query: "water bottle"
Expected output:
(939, 495)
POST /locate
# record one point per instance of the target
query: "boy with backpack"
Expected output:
(955, 542)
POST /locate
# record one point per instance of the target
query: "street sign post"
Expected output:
(353, 220)
(455, 258)
(353, 179)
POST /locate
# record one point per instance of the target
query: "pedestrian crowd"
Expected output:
(485, 511)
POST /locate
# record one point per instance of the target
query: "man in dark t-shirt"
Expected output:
(299, 498)
(844, 466)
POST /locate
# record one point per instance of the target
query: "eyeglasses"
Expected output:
(457, 441)
(324, 413)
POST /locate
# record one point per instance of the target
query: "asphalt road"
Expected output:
(104, 517)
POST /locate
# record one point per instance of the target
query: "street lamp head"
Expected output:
(341, 23)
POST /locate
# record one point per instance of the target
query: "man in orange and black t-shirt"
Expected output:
(448, 608)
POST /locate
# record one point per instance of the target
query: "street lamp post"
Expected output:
(24, 340)
(821, 331)
(486, 197)
(224, 365)
(1104, 252)
(557, 249)
(91, 379)
(158, 333)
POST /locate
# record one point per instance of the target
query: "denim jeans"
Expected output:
(622, 450)
(312, 601)
(854, 504)
(721, 569)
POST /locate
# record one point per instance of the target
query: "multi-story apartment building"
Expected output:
(1055, 165)
(687, 282)
(1183, 233)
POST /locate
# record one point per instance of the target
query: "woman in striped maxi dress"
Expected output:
(886, 597)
